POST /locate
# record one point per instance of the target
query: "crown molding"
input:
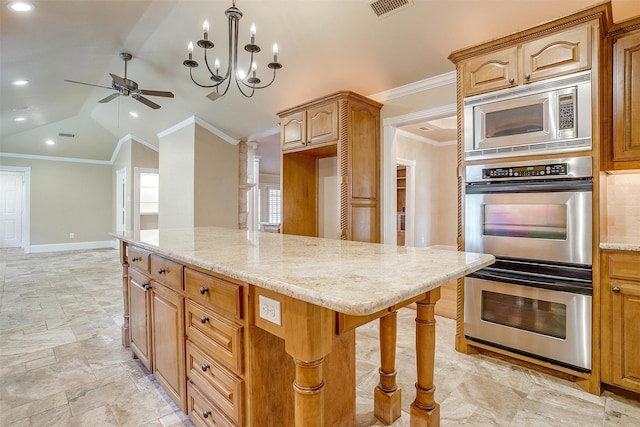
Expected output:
(413, 136)
(418, 116)
(202, 123)
(55, 159)
(419, 86)
(130, 137)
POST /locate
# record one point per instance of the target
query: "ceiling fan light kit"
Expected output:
(126, 87)
(249, 82)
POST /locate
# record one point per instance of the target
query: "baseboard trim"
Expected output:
(60, 247)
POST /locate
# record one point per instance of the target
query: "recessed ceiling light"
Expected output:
(50, 142)
(20, 119)
(133, 113)
(20, 108)
(20, 82)
(20, 6)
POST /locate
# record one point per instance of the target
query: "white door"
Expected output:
(121, 202)
(11, 194)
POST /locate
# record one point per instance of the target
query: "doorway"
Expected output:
(15, 183)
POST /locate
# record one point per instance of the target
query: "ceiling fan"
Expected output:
(126, 87)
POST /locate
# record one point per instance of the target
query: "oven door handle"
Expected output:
(516, 279)
(530, 187)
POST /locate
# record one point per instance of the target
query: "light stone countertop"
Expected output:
(349, 277)
(625, 243)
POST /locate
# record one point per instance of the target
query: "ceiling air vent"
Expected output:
(385, 7)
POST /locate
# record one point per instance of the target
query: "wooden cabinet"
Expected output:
(314, 126)
(346, 127)
(560, 53)
(167, 308)
(621, 319)
(625, 150)
(140, 317)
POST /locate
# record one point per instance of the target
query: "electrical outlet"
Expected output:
(270, 310)
(72, 236)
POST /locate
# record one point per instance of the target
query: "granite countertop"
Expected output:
(621, 243)
(349, 277)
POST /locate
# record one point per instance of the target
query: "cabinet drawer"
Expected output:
(214, 293)
(138, 258)
(624, 266)
(215, 382)
(166, 271)
(221, 338)
(202, 412)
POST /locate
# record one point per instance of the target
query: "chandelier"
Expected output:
(248, 82)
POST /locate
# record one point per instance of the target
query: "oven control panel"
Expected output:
(554, 169)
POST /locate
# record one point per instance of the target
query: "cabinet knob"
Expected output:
(512, 80)
(146, 287)
(206, 413)
(162, 271)
(203, 290)
(204, 319)
(616, 289)
(134, 259)
(204, 367)
(527, 76)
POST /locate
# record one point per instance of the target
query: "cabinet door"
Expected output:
(493, 71)
(167, 309)
(626, 100)
(560, 53)
(293, 131)
(322, 124)
(139, 317)
(626, 334)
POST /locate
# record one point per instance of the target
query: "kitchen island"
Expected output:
(250, 328)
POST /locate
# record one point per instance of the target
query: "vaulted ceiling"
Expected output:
(325, 46)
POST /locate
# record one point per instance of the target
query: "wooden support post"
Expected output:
(309, 333)
(387, 395)
(425, 411)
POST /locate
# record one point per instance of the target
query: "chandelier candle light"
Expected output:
(248, 80)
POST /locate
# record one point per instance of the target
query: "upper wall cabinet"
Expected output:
(554, 55)
(624, 153)
(315, 126)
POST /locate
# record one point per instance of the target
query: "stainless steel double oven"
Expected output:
(536, 218)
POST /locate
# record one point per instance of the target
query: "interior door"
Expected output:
(11, 195)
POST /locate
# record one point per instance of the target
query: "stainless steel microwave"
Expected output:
(553, 116)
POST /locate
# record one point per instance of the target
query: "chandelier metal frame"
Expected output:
(250, 81)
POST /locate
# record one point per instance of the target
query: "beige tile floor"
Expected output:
(62, 364)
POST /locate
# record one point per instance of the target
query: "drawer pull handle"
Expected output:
(616, 290)
(206, 413)
(146, 287)
(204, 367)
(203, 290)
(162, 271)
(204, 319)
(134, 259)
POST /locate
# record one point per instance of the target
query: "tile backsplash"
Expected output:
(623, 206)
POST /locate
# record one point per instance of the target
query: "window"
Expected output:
(273, 205)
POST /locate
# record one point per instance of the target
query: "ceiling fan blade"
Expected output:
(156, 93)
(119, 80)
(88, 84)
(146, 102)
(109, 98)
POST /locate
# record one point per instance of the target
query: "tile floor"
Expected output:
(62, 364)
